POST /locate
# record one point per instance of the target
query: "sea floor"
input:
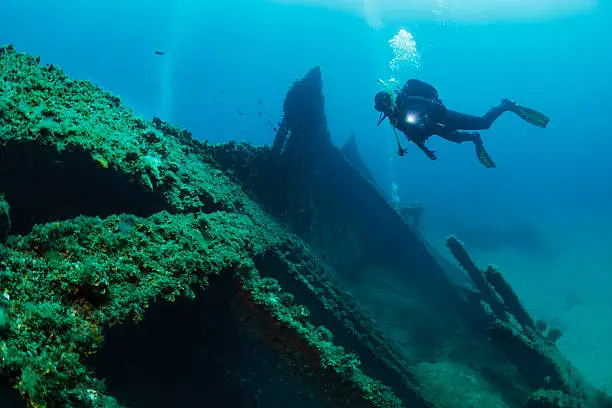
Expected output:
(569, 288)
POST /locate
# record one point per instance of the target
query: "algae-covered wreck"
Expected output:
(140, 267)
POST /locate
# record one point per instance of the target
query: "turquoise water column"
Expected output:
(178, 23)
(165, 99)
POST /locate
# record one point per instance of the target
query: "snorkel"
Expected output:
(400, 150)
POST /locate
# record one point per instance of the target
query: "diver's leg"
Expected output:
(474, 137)
(460, 137)
(457, 120)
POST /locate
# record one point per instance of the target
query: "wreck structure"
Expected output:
(140, 267)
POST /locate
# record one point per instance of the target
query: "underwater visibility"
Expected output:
(306, 203)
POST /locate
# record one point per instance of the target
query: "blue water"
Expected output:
(543, 215)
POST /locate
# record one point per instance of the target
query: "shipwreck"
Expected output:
(141, 267)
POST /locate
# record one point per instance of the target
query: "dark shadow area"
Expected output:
(43, 185)
(9, 398)
(195, 353)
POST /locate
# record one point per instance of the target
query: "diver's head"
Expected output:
(383, 102)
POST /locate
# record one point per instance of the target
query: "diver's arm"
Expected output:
(430, 153)
(418, 137)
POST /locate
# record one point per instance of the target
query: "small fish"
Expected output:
(157, 52)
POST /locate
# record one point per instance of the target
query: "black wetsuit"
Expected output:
(421, 100)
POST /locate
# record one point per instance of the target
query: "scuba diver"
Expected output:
(419, 113)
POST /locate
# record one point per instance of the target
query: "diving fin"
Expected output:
(532, 116)
(483, 156)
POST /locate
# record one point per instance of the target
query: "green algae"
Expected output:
(68, 280)
(44, 105)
